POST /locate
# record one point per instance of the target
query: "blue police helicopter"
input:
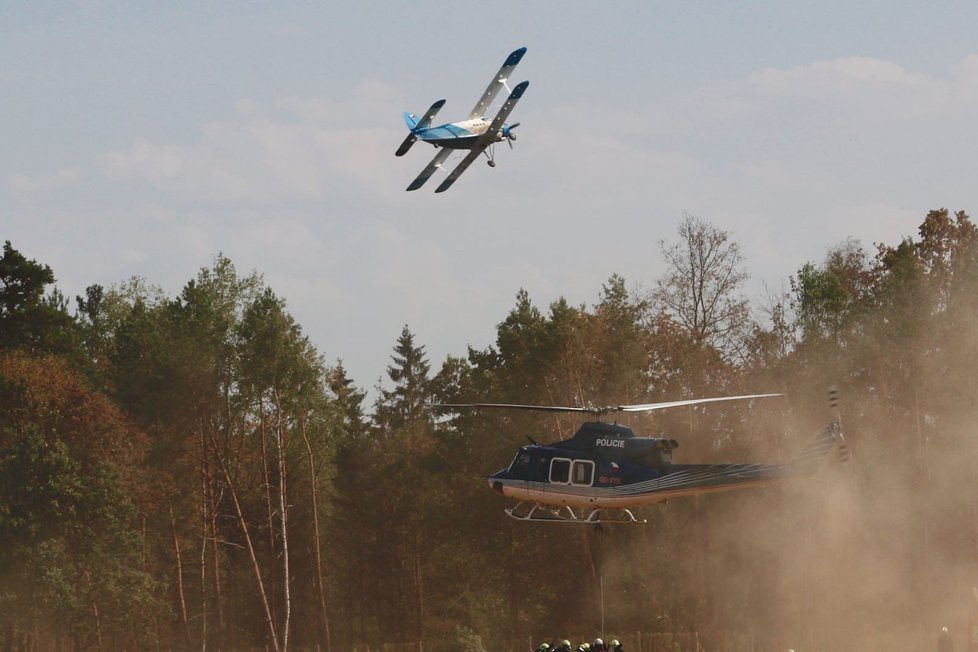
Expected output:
(605, 470)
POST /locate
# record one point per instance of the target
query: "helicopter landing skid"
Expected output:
(550, 514)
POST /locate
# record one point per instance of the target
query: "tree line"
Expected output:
(190, 472)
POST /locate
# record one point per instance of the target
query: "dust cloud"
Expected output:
(878, 553)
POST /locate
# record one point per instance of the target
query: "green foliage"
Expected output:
(403, 407)
(827, 299)
(23, 283)
(41, 488)
(29, 320)
(68, 517)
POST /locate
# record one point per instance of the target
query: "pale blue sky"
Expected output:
(145, 138)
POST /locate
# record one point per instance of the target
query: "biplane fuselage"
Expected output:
(458, 135)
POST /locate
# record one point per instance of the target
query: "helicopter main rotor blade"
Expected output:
(512, 406)
(648, 407)
(644, 407)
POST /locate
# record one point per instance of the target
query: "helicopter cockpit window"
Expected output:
(583, 472)
(560, 471)
(520, 468)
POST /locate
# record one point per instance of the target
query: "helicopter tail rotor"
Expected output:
(843, 452)
(829, 439)
(834, 403)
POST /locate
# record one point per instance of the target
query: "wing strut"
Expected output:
(497, 83)
(430, 169)
(487, 138)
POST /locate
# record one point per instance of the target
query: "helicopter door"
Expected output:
(538, 468)
(582, 473)
(560, 470)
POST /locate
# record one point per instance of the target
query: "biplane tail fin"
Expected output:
(416, 125)
(411, 121)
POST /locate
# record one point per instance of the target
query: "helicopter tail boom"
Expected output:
(810, 457)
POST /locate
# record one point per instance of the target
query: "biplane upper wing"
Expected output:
(430, 169)
(487, 138)
(496, 84)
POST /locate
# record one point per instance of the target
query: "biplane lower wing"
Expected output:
(406, 145)
(460, 168)
(488, 138)
(430, 169)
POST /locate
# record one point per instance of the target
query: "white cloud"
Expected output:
(873, 88)
(833, 76)
(21, 184)
(315, 149)
(368, 103)
(293, 150)
(964, 79)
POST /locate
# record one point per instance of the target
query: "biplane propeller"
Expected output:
(475, 133)
(604, 471)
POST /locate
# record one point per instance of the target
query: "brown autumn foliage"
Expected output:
(44, 392)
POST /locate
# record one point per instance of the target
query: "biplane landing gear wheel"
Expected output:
(490, 153)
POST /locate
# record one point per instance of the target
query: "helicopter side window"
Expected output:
(560, 471)
(583, 472)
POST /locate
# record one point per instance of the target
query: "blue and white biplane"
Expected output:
(476, 133)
